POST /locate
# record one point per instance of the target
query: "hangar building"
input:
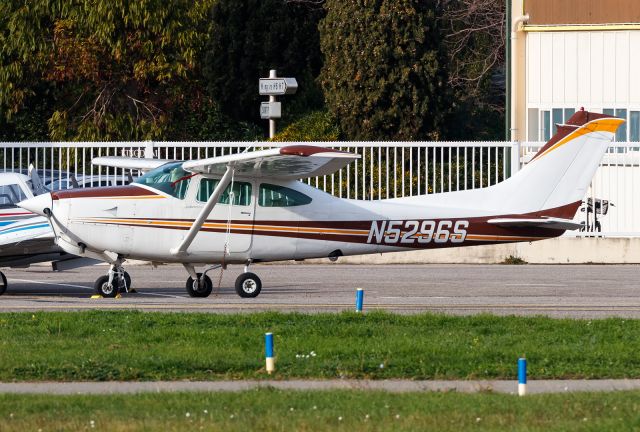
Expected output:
(571, 53)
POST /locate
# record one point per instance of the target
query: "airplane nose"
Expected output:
(39, 204)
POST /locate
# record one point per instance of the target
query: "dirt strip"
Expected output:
(394, 386)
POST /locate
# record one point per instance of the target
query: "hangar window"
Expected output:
(634, 127)
(621, 133)
(280, 196)
(550, 118)
(169, 178)
(241, 192)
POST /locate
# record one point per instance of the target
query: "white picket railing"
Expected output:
(386, 169)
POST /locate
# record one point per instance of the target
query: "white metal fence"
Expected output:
(386, 170)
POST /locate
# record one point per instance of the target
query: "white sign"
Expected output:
(277, 86)
(270, 110)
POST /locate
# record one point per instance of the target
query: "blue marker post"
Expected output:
(522, 376)
(268, 350)
(359, 299)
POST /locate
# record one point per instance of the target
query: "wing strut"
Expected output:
(211, 203)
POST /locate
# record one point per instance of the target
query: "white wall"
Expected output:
(590, 69)
(563, 250)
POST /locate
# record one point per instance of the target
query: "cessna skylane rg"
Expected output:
(250, 207)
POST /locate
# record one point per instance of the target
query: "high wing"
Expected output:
(551, 223)
(288, 162)
(129, 163)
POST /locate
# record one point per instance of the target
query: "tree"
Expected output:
(117, 68)
(475, 39)
(250, 37)
(315, 126)
(384, 74)
(475, 43)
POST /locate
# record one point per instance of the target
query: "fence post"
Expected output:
(148, 150)
(515, 157)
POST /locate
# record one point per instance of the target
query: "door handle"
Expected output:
(245, 213)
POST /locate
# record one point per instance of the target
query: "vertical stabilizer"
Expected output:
(560, 173)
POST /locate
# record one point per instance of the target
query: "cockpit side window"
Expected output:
(169, 178)
(10, 195)
(280, 196)
(241, 192)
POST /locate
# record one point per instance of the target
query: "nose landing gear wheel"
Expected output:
(248, 285)
(104, 288)
(195, 289)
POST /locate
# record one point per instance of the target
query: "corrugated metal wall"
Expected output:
(591, 69)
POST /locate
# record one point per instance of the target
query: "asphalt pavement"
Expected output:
(585, 291)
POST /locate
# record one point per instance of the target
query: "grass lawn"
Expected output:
(101, 345)
(273, 410)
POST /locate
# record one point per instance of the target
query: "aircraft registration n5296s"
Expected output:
(250, 207)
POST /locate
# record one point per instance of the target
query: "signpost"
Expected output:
(272, 87)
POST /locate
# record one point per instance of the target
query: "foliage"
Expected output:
(208, 123)
(315, 126)
(117, 67)
(384, 74)
(476, 118)
(29, 124)
(250, 37)
(188, 70)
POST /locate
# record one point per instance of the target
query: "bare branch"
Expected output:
(475, 41)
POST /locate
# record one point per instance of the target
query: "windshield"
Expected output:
(10, 195)
(169, 178)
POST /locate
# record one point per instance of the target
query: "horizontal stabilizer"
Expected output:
(550, 223)
(129, 163)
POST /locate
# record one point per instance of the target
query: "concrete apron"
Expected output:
(562, 250)
(394, 386)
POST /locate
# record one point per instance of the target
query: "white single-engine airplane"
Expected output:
(25, 238)
(249, 207)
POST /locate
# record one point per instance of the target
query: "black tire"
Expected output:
(102, 287)
(248, 285)
(3, 280)
(199, 291)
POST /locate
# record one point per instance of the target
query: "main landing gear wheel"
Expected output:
(248, 285)
(202, 289)
(3, 281)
